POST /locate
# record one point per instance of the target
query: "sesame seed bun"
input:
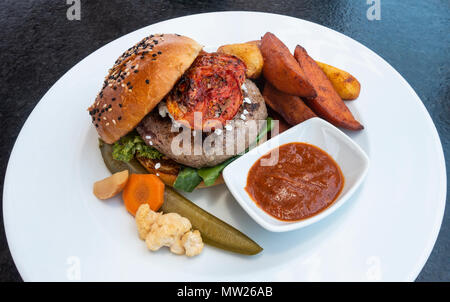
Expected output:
(138, 81)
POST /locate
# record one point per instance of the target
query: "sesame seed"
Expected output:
(114, 122)
(147, 81)
(107, 124)
(159, 52)
(110, 109)
(136, 71)
(119, 118)
(104, 118)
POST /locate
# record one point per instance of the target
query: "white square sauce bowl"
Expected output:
(352, 160)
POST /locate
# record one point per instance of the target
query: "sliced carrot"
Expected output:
(143, 188)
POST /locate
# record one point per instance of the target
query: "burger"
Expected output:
(156, 90)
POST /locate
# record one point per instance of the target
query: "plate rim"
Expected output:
(442, 175)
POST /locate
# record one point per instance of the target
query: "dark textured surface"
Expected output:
(38, 45)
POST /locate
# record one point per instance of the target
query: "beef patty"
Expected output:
(218, 145)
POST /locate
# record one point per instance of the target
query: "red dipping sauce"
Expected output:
(304, 182)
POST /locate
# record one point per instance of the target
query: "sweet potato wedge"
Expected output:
(282, 124)
(290, 107)
(281, 69)
(327, 104)
(346, 85)
(249, 53)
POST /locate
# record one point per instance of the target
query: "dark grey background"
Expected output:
(38, 45)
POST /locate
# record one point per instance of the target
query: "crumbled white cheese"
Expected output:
(245, 112)
(247, 100)
(157, 166)
(218, 131)
(244, 88)
(163, 112)
(243, 117)
(229, 127)
(148, 137)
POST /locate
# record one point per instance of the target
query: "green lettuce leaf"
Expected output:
(210, 174)
(187, 179)
(131, 144)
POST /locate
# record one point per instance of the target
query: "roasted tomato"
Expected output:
(212, 87)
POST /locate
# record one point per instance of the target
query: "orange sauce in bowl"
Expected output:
(303, 182)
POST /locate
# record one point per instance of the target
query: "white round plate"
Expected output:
(57, 230)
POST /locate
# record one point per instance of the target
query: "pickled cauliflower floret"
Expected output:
(192, 243)
(166, 230)
(177, 247)
(169, 230)
(145, 218)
